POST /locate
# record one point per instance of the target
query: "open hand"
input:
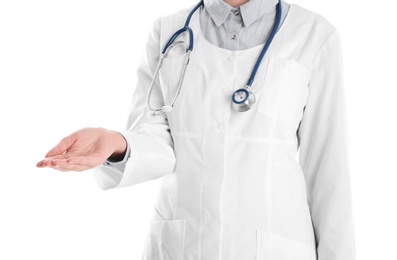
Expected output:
(85, 149)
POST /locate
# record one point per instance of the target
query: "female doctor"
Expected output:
(228, 92)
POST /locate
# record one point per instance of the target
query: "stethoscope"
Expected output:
(242, 99)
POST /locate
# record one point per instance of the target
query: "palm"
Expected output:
(84, 149)
(89, 143)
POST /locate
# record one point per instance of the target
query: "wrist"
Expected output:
(120, 147)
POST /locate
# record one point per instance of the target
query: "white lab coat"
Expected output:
(232, 186)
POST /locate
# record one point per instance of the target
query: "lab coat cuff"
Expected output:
(126, 155)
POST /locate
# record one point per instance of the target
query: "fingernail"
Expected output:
(43, 163)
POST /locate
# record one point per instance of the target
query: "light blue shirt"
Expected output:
(238, 28)
(242, 27)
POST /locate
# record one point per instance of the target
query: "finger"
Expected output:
(74, 168)
(40, 164)
(72, 161)
(71, 167)
(47, 161)
(61, 164)
(61, 147)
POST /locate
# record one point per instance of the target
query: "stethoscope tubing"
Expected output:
(164, 109)
(186, 28)
(267, 44)
(168, 46)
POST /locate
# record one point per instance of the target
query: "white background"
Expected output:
(69, 64)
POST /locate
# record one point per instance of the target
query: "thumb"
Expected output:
(61, 147)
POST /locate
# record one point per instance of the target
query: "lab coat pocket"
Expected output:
(272, 246)
(165, 240)
(285, 91)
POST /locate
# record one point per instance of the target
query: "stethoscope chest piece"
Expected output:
(243, 99)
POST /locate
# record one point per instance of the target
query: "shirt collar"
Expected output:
(250, 11)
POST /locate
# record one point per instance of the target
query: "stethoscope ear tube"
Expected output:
(167, 108)
(154, 111)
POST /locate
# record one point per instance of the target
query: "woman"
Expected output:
(231, 187)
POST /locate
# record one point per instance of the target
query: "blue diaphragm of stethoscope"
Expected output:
(242, 99)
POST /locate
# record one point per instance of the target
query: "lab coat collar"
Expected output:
(250, 11)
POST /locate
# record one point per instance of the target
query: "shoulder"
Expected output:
(183, 11)
(313, 31)
(318, 25)
(179, 14)
(169, 23)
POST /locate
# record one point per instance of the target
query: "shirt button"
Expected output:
(231, 57)
(233, 36)
(291, 71)
(220, 126)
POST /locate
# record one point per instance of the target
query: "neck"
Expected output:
(235, 3)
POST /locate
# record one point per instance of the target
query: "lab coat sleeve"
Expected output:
(149, 139)
(324, 156)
